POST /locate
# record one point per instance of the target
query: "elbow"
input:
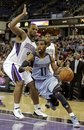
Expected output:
(9, 25)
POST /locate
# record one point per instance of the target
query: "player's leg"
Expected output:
(66, 105)
(52, 101)
(12, 72)
(17, 97)
(17, 91)
(26, 90)
(34, 94)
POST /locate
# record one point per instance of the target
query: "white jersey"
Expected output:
(16, 58)
(20, 50)
(51, 50)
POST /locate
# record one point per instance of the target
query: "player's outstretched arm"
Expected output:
(13, 24)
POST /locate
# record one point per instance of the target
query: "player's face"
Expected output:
(41, 47)
(48, 38)
(33, 30)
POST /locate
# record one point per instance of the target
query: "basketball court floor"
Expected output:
(8, 122)
(57, 120)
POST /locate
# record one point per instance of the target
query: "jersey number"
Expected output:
(43, 71)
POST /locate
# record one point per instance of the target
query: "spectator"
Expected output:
(78, 68)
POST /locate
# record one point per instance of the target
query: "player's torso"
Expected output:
(20, 50)
(51, 50)
(41, 68)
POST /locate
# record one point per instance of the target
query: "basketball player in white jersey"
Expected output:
(50, 46)
(24, 44)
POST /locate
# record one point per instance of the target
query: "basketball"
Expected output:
(66, 74)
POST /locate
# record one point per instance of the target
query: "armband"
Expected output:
(21, 69)
(24, 64)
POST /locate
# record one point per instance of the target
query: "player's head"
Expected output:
(41, 46)
(47, 38)
(32, 30)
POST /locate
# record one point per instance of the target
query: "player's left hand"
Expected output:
(28, 68)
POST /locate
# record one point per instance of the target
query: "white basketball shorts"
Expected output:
(11, 70)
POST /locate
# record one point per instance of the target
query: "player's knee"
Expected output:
(20, 83)
(65, 105)
(33, 88)
(31, 85)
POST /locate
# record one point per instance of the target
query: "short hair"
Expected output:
(42, 39)
(47, 34)
(31, 25)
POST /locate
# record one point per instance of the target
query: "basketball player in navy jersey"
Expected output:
(47, 84)
(24, 43)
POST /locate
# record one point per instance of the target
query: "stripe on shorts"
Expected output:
(14, 73)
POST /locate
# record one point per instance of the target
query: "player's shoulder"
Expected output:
(47, 54)
(52, 45)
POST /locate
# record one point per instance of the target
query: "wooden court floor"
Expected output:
(27, 106)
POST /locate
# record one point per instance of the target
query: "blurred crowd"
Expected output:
(5, 49)
(67, 47)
